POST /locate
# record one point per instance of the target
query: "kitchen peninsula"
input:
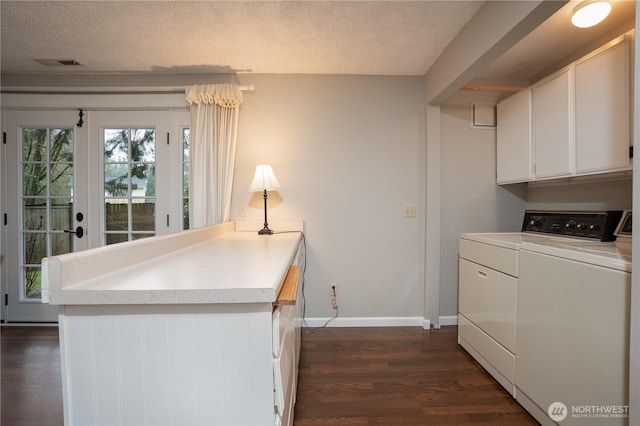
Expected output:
(187, 328)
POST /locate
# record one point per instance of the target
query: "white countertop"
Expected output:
(226, 267)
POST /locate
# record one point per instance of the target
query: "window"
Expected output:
(185, 178)
(47, 200)
(129, 184)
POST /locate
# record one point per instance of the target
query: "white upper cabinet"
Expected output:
(580, 120)
(553, 136)
(514, 149)
(602, 110)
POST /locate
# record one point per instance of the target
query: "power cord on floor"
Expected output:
(307, 328)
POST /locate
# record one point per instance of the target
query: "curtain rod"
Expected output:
(105, 90)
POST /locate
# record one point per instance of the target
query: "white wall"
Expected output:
(471, 201)
(607, 195)
(348, 151)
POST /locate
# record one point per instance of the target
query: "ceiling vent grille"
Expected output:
(58, 62)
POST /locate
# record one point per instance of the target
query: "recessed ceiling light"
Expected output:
(590, 13)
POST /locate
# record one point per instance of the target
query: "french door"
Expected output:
(44, 203)
(67, 188)
(130, 195)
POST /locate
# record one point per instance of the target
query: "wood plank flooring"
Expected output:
(397, 376)
(348, 376)
(30, 377)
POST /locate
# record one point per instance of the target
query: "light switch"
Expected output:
(242, 210)
(409, 210)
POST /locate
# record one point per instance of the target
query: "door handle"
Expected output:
(79, 231)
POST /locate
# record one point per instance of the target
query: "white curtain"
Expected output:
(212, 148)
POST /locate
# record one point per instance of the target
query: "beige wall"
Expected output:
(348, 151)
(471, 201)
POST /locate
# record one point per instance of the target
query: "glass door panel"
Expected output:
(117, 170)
(133, 189)
(185, 178)
(47, 172)
(129, 183)
(41, 201)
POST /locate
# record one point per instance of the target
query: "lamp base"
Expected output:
(265, 231)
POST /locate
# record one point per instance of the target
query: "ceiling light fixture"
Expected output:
(590, 13)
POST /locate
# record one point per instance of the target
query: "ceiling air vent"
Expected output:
(58, 62)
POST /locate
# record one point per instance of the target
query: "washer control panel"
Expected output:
(599, 225)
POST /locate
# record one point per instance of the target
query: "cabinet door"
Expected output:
(602, 110)
(553, 136)
(513, 145)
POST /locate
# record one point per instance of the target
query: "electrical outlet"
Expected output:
(332, 292)
(332, 289)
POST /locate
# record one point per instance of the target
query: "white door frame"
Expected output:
(174, 103)
(15, 307)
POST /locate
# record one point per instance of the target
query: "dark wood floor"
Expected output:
(30, 377)
(348, 376)
(397, 376)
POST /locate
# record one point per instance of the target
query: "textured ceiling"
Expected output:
(556, 41)
(165, 37)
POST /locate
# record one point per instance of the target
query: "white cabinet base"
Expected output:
(167, 364)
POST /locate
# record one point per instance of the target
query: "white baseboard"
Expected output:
(366, 322)
(29, 324)
(448, 320)
(379, 322)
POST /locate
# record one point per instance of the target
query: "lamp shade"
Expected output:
(264, 179)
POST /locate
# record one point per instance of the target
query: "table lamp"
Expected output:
(264, 180)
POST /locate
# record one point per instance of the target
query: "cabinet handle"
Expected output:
(483, 274)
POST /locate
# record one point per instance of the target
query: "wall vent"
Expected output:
(58, 62)
(483, 115)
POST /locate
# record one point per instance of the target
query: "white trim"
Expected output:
(29, 324)
(380, 322)
(432, 214)
(87, 102)
(448, 320)
(426, 324)
(106, 90)
(367, 322)
(317, 322)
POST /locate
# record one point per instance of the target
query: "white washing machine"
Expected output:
(489, 275)
(572, 330)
